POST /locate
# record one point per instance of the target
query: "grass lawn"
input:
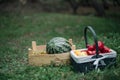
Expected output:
(17, 31)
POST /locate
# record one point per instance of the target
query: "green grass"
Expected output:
(18, 30)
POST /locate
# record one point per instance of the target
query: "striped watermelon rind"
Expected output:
(58, 45)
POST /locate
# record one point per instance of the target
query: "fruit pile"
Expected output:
(80, 53)
(91, 50)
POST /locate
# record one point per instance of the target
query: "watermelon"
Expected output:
(58, 45)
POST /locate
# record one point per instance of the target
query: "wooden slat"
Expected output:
(70, 41)
(34, 45)
(41, 47)
(73, 47)
(47, 59)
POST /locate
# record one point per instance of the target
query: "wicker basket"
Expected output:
(92, 62)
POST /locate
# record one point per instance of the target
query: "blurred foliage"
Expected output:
(18, 30)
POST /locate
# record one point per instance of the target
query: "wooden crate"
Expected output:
(34, 58)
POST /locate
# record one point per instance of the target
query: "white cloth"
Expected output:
(96, 62)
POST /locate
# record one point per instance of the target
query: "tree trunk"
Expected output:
(74, 5)
(23, 2)
(105, 4)
(116, 2)
(75, 10)
(99, 8)
(33, 1)
(84, 2)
